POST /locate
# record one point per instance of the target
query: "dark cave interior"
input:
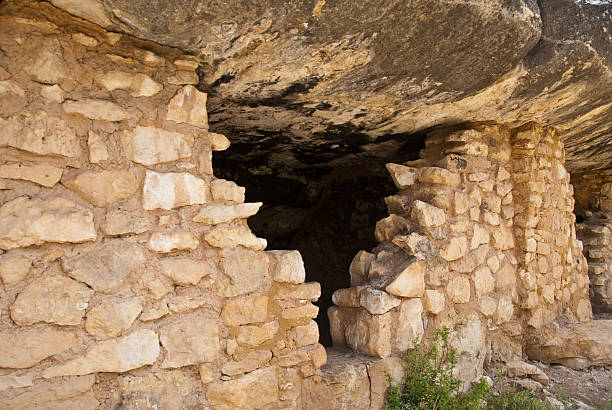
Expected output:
(326, 205)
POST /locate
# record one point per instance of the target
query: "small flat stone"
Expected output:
(164, 242)
(42, 174)
(253, 360)
(119, 355)
(410, 282)
(231, 237)
(245, 310)
(97, 110)
(190, 340)
(14, 269)
(287, 266)
(188, 106)
(113, 316)
(137, 84)
(121, 222)
(214, 214)
(253, 390)
(173, 190)
(186, 271)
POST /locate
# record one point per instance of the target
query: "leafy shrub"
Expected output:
(429, 383)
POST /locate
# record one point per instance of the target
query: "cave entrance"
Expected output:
(323, 201)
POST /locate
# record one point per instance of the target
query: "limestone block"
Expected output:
(218, 142)
(410, 325)
(458, 289)
(244, 310)
(410, 282)
(304, 291)
(172, 190)
(488, 305)
(105, 266)
(178, 240)
(347, 297)
(505, 309)
(456, 248)
(469, 341)
(52, 93)
(51, 299)
(49, 66)
(359, 267)
(253, 360)
(252, 335)
(469, 262)
(42, 174)
(161, 390)
(480, 237)
(576, 346)
(307, 310)
(214, 214)
(14, 269)
(369, 334)
(12, 381)
(151, 145)
(434, 301)
(98, 151)
(416, 245)
(137, 84)
(377, 301)
(187, 303)
(118, 355)
(97, 110)
(41, 134)
(287, 266)
(390, 227)
(503, 239)
(305, 335)
(518, 368)
(170, 219)
(186, 271)
(223, 190)
(378, 373)
(23, 348)
(251, 391)
(233, 236)
(189, 340)
(340, 385)
(155, 312)
(505, 278)
(246, 271)
(439, 176)
(484, 282)
(427, 215)
(113, 316)
(104, 188)
(188, 106)
(121, 222)
(461, 203)
(25, 222)
(71, 393)
(208, 373)
(491, 218)
(402, 176)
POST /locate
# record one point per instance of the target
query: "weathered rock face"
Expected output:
(405, 68)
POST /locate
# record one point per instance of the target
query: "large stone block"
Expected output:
(251, 391)
(159, 390)
(14, 269)
(97, 110)
(410, 324)
(410, 282)
(104, 188)
(51, 299)
(369, 334)
(105, 267)
(41, 134)
(253, 336)
(172, 190)
(192, 339)
(186, 271)
(233, 236)
(179, 240)
(244, 310)
(150, 145)
(42, 174)
(138, 349)
(245, 270)
(112, 316)
(188, 106)
(70, 393)
(402, 176)
(25, 222)
(24, 348)
(137, 84)
(287, 266)
(427, 215)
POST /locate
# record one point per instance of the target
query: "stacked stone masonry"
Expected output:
(594, 206)
(130, 278)
(480, 239)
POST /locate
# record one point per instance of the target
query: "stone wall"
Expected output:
(129, 275)
(479, 239)
(594, 206)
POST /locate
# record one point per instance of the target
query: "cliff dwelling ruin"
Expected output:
(263, 204)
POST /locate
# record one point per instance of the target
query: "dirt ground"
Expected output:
(592, 386)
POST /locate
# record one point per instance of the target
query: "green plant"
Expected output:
(516, 400)
(429, 383)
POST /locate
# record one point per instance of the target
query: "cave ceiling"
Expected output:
(296, 83)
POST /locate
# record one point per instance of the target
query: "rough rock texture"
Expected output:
(391, 68)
